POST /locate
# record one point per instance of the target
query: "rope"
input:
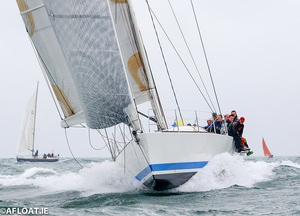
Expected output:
(91, 142)
(179, 57)
(206, 59)
(149, 8)
(70, 149)
(191, 54)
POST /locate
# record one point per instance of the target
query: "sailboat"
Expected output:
(267, 153)
(27, 144)
(94, 60)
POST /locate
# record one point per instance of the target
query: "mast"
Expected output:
(33, 129)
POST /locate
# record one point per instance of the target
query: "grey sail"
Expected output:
(76, 43)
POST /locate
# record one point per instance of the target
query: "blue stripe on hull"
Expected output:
(170, 166)
(144, 173)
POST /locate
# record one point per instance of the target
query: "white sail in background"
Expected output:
(31, 124)
(76, 42)
(28, 123)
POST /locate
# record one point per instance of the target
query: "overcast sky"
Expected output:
(253, 49)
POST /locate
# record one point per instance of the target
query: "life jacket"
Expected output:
(243, 141)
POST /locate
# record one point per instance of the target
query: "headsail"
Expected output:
(76, 43)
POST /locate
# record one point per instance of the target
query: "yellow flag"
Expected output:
(179, 123)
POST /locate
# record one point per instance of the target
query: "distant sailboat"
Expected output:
(267, 153)
(28, 144)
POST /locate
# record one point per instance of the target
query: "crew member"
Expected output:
(236, 131)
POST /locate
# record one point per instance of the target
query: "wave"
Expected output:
(226, 170)
(104, 177)
(37, 171)
(223, 171)
(290, 164)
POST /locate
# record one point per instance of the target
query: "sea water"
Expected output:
(227, 185)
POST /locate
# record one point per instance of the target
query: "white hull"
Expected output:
(165, 160)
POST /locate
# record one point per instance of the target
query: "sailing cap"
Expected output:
(214, 114)
(242, 119)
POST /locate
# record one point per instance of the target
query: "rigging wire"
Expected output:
(70, 148)
(106, 144)
(206, 59)
(110, 147)
(191, 54)
(150, 9)
(107, 137)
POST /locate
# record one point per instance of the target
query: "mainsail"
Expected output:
(130, 52)
(76, 43)
(133, 54)
(29, 124)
